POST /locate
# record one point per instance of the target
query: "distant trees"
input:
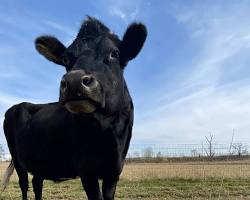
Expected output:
(239, 149)
(208, 150)
(136, 154)
(148, 152)
(159, 155)
(1, 152)
(210, 146)
(194, 153)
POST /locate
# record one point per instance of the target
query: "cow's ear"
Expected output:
(51, 48)
(132, 42)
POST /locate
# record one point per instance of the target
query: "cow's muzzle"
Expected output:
(80, 92)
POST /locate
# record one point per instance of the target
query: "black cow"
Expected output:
(87, 133)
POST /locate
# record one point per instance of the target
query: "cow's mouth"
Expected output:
(83, 105)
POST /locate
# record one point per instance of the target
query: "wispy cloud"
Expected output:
(115, 11)
(60, 27)
(7, 100)
(69, 32)
(192, 117)
(221, 34)
(22, 72)
(10, 72)
(211, 88)
(203, 102)
(125, 10)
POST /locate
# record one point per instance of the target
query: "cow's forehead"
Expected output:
(99, 43)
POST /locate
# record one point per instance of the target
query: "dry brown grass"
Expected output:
(159, 181)
(202, 170)
(185, 170)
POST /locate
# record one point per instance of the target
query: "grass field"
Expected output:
(153, 181)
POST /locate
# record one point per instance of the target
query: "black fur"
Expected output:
(52, 143)
(92, 28)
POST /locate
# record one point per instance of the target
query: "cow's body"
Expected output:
(47, 146)
(87, 133)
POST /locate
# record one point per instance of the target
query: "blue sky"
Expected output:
(191, 78)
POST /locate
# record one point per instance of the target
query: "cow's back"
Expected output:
(16, 118)
(36, 149)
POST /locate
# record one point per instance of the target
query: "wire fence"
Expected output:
(189, 150)
(145, 161)
(172, 150)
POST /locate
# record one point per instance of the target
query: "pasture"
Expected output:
(160, 181)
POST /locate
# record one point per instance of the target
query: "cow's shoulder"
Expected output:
(24, 107)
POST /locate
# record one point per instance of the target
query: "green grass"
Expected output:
(151, 189)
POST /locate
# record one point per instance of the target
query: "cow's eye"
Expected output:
(114, 54)
(66, 61)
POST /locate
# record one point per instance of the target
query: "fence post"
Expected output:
(202, 149)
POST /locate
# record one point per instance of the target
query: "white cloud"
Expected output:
(200, 104)
(125, 10)
(204, 104)
(115, 11)
(221, 41)
(63, 28)
(192, 117)
(9, 72)
(70, 32)
(134, 13)
(7, 100)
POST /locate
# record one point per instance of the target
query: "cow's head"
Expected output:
(94, 63)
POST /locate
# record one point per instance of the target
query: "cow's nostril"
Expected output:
(87, 80)
(64, 84)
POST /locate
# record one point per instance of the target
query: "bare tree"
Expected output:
(136, 154)
(159, 155)
(1, 152)
(194, 153)
(148, 152)
(231, 144)
(210, 148)
(240, 149)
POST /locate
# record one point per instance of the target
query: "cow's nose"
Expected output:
(77, 84)
(64, 85)
(89, 82)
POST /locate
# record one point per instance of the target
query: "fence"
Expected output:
(173, 150)
(188, 150)
(178, 160)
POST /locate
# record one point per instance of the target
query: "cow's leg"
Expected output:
(91, 187)
(23, 180)
(108, 188)
(37, 187)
